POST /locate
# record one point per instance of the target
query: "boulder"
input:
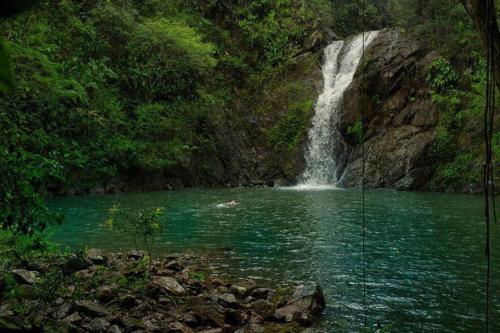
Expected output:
(25, 276)
(309, 298)
(168, 284)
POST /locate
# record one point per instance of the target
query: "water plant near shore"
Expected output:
(142, 226)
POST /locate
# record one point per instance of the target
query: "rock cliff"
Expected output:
(399, 119)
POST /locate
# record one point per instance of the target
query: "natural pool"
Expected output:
(424, 251)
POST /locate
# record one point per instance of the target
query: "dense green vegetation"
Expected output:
(123, 88)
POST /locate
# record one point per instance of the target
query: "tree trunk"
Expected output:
(477, 9)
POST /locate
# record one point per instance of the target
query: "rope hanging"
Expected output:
(489, 119)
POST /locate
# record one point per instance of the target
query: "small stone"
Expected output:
(233, 317)
(132, 323)
(96, 257)
(173, 266)
(178, 328)
(164, 300)
(239, 291)
(106, 293)
(114, 329)
(216, 282)
(92, 308)
(135, 255)
(263, 308)
(7, 326)
(129, 301)
(6, 311)
(288, 313)
(168, 284)
(72, 318)
(249, 300)
(24, 276)
(182, 276)
(249, 285)
(257, 328)
(74, 263)
(97, 325)
(189, 319)
(209, 312)
(228, 300)
(62, 311)
(260, 293)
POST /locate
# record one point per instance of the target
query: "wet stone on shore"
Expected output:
(113, 292)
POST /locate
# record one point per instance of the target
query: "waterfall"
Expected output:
(340, 64)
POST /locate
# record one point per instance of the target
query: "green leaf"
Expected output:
(6, 76)
(14, 7)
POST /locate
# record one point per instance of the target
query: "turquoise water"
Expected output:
(424, 252)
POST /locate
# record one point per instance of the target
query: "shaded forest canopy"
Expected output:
(126, 87)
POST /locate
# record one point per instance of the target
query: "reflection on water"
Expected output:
(425, 252)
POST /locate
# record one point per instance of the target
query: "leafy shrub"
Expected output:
(292, 128)
(143, 227)
(441, 75)
(356, 130)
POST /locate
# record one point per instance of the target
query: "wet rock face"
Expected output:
(398, 114)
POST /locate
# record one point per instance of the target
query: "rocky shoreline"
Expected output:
(96, 291)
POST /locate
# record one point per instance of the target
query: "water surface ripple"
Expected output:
(425, 252)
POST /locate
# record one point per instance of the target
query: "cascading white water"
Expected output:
(340, 64)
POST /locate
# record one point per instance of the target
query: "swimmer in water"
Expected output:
(228, 204)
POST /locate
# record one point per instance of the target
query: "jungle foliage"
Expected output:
(103, 88)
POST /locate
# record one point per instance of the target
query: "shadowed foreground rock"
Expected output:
(109, 292)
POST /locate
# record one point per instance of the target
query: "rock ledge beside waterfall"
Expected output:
(400, 119)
